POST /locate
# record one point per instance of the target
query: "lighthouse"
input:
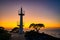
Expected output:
(21, 14)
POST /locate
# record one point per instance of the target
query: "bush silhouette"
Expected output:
(15, 30)
(4, 35)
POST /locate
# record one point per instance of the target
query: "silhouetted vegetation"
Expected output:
(36, 26)
(33, 35)
(15, 30)
(4, 35)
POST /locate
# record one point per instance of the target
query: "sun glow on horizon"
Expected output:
(11, 25)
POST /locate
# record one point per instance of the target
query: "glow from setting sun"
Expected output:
(35, 12)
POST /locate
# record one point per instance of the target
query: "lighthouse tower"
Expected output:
(21, 21)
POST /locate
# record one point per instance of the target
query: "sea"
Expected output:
(52, 32)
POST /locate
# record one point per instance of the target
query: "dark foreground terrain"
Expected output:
(29, 35)
(33, 35)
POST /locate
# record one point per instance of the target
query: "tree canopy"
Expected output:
(36, 26)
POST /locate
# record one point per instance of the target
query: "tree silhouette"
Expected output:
(36, 26)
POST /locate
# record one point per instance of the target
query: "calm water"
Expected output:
(52, 32)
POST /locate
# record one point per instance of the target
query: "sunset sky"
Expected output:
(36, 11)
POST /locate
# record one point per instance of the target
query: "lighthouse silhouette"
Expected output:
(21, 21)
